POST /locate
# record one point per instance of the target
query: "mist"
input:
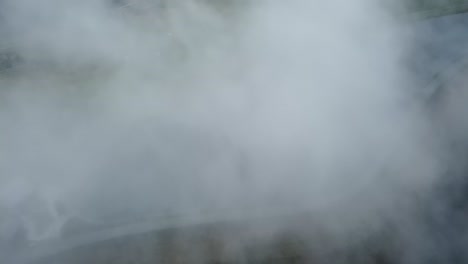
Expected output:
(199, 108)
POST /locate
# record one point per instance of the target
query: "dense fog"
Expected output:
(114, 112)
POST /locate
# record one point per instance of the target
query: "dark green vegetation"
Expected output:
(436, 8)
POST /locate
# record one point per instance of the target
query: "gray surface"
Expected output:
(150, 226)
